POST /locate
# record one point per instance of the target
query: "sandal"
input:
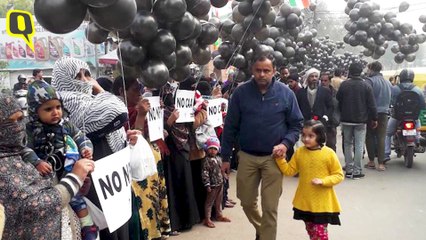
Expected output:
(223, 219)
(209, 224)
(370, 165)
(381, 168)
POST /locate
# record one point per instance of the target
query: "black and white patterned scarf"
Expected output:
(88, 112)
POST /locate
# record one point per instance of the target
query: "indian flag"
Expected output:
(299, 3)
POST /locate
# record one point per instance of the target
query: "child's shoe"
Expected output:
(89, 232)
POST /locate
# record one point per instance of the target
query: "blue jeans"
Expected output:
(390, 131)
(354, 135)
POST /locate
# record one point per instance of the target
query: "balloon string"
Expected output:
(240, 43)
(122, 76)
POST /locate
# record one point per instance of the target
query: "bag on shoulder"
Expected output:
(407, 104)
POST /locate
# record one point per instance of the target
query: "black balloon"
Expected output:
(245, 8)
(403, 6)
(202, 56)
(422, 18)
(180, 74)
(237, 17)
(98, 3)
(262, 50)
(154, 74)
(375, 17)
(354, 14)
(215, 21)
(389, 15)
(169, 10)
(226, 49)
(144, 27)
(184, 28)
(95, 34)
(238, 61)
(292, 20)
(269, 19)
(218, 3)
(116, 16)
(170, 60)
(237, 32)
(361, 35)
(406, 28)
(163, 44)
(227, 26)
(263, 34)
(209, 34)
(253, 23)
(281, 22)
(131, 53)
(183, 55)
(285, 10)
(399, 58)
(395, 48)
(198, 8)
(261, 7)
(219, 62)
(60, 16)
(366, 9)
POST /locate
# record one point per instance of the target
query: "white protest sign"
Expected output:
(214, 112)
(155, 119)
(112, 182)
(184, 103)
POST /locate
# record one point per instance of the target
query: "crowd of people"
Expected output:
(46, 159)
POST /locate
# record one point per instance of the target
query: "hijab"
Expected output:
(12, 134)
(90, 113)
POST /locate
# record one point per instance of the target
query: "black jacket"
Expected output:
(323, 105)
(356, 101)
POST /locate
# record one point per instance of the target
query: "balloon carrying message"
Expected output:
(20, 24)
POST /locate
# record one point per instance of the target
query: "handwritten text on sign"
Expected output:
(214, 112)
(155, 119)
(184, 104)
(112, 182)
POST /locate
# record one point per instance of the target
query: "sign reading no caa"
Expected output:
(184, 103)
(112, 182)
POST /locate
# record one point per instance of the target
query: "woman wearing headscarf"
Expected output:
(33, 203)
(150, 218)
(99, 114)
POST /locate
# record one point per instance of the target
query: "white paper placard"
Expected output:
(112, 182)
(184, 103)
(155, 119)
(214, 112)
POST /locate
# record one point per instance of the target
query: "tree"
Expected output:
(26, 5)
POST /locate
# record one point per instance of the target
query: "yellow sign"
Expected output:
(20, 24)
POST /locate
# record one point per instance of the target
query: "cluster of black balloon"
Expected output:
(370, 28)
(158, 39)
(283, 34)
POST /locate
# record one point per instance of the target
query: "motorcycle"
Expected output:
(404, 141)
(21, 97)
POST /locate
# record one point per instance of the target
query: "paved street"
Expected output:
(387, 205)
